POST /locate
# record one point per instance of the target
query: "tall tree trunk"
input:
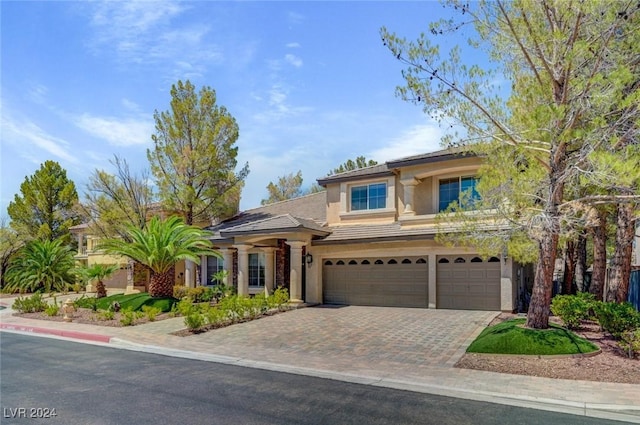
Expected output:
(161, 284)
(581, 262)
(569, 268)
(621, 262)
(539, 307)
(599, 272)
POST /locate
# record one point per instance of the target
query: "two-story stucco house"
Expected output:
(368, 240)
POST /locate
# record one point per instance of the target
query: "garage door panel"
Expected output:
(467, 285)
(386, 284)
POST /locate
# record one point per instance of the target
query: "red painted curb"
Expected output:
(57, 332)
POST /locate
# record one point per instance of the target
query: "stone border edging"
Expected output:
(541, 356)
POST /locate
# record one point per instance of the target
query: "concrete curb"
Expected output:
(57, 332)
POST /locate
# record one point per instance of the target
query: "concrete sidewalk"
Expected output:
(253, 345)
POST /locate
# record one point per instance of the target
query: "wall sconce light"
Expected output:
(308, 258)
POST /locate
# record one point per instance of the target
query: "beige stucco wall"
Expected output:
(423, 197)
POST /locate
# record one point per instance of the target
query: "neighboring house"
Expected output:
(368, 240)
(88, 255)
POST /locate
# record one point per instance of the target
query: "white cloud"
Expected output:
(116, 131)
(27, 133)
(293, 60)
(416, 140)
(295, 18)
(293, 45)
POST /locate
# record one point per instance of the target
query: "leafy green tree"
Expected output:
(287, 187)
(568, 68)
(10, 244)
(193, 158)
(159, 246)
(98, 272)
(41, 266)
(350, 165)
(113, 202)
(44, 209)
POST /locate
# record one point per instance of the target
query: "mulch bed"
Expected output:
(90, 317)
(611, 365)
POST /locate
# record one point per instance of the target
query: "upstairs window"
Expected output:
(369, 197)
(451, 190)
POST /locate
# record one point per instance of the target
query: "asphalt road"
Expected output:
(87, 384)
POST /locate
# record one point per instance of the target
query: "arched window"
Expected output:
(328, 263)
(421, 261)
(494, 260)
(340, 263)
(443, 261)
(459, 260)
(365, 262)
(378, 262)
(406, 261)
(352, 262)
(392, 261)
(476, 260)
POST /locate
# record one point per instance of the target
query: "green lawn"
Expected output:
(132, 301)
(510, 337)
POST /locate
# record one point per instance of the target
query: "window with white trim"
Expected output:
(256, 269)
(369, 197)
(214, 265)
(452, 189)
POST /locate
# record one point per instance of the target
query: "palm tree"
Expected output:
(98, 272)
(41, 265)
(159, 246)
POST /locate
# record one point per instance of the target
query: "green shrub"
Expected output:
(630, 342)
(617, 318)
(214, 316)
(222, 291)
(150, 312)
(186, 307)
(32, 304)
(279, 299)
(180, 291)
(194, 321)
(127, 318)
(572, 309)
(52, 310)
(258, 306)
(107, 314)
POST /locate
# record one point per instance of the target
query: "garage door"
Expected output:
(467, 282)
(387, 282)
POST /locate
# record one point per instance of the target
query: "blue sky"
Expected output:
(309, 83)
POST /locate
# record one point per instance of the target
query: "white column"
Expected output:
(295, 277)
(243, 268)
(507, 283)
(227, 259)
(189, 274)
(409, 186)
(269, 269)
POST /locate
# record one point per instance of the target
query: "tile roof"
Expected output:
(374, 233)
(279, 223)
(387, 169)
(308, 211)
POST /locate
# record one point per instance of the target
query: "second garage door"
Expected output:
(387, 282)
(468, 283)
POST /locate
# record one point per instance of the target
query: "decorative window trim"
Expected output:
(390, 201)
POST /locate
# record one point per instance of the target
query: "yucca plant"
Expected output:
(41, 265)
(159, 246)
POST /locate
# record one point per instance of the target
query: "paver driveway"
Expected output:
(344, 337)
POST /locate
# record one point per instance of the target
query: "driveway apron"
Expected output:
(343, 338)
